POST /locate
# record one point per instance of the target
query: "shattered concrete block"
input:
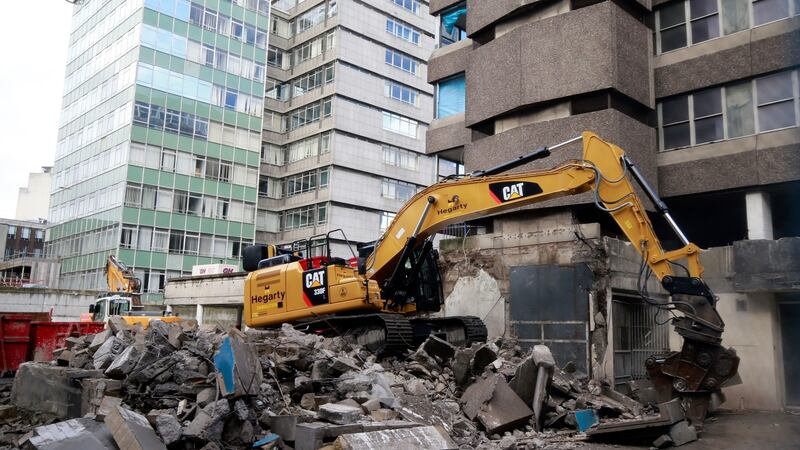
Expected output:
(94, 390)
(131, 430)
(208, 422)
(495, 405)
(238, 367)
(168, 428)
(629, 403)
(123, 364)
(74, 434)
(99, 339)
(50, 389)
(438, 348)
(117, 324)
(206, 396)
(349, 402)
(80, 359)
(105, 355)
(383, 414)
(428, 437)
(284, 426)
(339, 414)
(106, 406)
(151, 365)
(663, 441)
(353, 382)
(371, 405)
(484, 355)
(343, 364)
(682, 433)
(415, 387)
(74, 343)
(461, 365)
(64, 357)
(312, 435)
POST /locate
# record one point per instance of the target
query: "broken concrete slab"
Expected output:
(94, 390)
(284, 426)
(239, 370)
(462, 369)
(50, 389)
(415, 387)
(484, 355)
(208, 422)
(682, 433)
(438, 348)
(106, 406)
(429, 438)
(73, 434)
(653, 426)
(132, 431)
(339, 414)
(123, 364)
(629, 403)
(99, 339)
(371, 405)
(206, 396)
(169, 428)
(107, 352)
(312, 435)
(495, 405)
(7, 412)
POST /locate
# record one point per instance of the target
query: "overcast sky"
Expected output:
(34, 40)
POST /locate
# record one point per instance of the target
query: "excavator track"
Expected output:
(384, 334)
(392, 334)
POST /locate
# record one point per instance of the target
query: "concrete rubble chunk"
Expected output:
(169, 428)
(663, 441)
(462, 369)
(107, 352)
(238, 368)
(284, 426)
(132, 431)
(73, 434)
(428, 438)
(484, 355)
(117, 324)
(438, 348)
(495, 405)
(370, 405)
(99, 339)
(208, 422)
(415, 387)
(50, 389)
(682, 433)
(94, 390)
(339, 414)
(206, 396)
(313, 435)
(106, 406)
(123, 364)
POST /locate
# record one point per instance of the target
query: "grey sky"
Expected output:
(31, 83)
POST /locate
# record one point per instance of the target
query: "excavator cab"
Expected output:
(106, 307)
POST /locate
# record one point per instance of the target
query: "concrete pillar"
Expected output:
(199, 315)
(759, 215)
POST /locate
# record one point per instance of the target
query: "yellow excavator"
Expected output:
(122, 298)
(377, 301)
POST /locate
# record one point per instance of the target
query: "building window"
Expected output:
(734, 110)
(401, 61)
(709, 19)
(128, 238)
(447, 168)
(399, 124)
(410, 5)
(310, 113)
(310, 18)
(12, 232)
(453, 25)
(26, 233)
(400, 92)
(386, 220)
(451, 96)
(397, 190)
(405, 32)
(401, 158)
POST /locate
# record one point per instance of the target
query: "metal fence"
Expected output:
(640, 330)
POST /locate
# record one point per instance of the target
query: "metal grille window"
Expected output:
(640, 330)
(734, 110)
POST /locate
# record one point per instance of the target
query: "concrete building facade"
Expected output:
(24, 262)
(703, 96)
(346, 113)
(158, 152)
(33, 200)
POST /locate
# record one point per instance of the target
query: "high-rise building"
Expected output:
(346, 112)
(703, 96)
(158, 146)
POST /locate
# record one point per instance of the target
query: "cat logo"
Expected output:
(512, 190)
(315, 279)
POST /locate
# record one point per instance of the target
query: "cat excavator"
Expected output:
(376, 299)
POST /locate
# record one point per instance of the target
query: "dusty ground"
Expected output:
(740, 430)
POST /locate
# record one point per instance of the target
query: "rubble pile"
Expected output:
(178, 386)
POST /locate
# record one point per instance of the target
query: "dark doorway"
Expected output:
(789, 313)
(550, 305)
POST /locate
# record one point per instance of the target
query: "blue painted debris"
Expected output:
(586, 418)
(224, 362)
(266, 440)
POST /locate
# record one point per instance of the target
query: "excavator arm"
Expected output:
(120, 278)
(606, 172)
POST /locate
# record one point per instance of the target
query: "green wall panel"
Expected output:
(130, 215)
(196, 185)
(162, 219)
(167, 179)
(206, 225)
(135, 174)
(192, 223)
(179, 221)
(182, 182)
(150, 176)
(142, 259)
(147, 217)
(248, 230)
(158, 260)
